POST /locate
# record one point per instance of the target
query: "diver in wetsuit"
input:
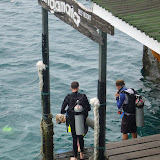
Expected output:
(70, 101)
(128, 124)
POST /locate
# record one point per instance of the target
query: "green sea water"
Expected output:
(72, 57)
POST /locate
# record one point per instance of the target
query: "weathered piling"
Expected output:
(151, 64)
(102, 94)
(46, 123)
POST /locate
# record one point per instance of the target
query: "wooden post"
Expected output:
(102, 94)
(45, 58)
(46, 123)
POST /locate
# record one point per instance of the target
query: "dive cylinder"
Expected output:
(79, 120)
(139, 113)
(90, 122)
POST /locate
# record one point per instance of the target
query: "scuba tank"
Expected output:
(135, 106)
(90, 122)
(139, 111)
(79, 120)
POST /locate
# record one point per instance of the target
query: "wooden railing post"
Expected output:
(46, 123)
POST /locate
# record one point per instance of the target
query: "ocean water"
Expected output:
(72, 57)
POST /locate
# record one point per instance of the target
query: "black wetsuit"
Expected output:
(70, 101)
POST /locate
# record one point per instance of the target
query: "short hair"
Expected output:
(74, 85)
(120, 82)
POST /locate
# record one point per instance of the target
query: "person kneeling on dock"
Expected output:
(128, 124)
(76, 114)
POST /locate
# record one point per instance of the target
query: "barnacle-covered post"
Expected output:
(102, 95)
(46, 123)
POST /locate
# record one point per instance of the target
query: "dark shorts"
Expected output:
(128, 124)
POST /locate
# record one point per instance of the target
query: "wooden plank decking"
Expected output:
(143, 148)
(88, 152)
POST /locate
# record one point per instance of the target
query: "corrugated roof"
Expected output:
(142, 14)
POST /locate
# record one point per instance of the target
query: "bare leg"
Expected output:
(78, 145)
(125, 136)
(134, 135)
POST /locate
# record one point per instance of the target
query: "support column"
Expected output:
(46, 123)
(102, 95)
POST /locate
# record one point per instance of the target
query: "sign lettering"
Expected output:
(60, 6)
(79, 17)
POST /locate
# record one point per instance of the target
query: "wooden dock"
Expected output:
(88, 152)
(143, 148)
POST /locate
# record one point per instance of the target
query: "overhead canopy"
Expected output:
(139, 19)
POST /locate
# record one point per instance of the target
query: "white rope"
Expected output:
(41, 66)
(95, 103)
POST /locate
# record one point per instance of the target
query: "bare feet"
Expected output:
(73, 158)
(81, 155)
